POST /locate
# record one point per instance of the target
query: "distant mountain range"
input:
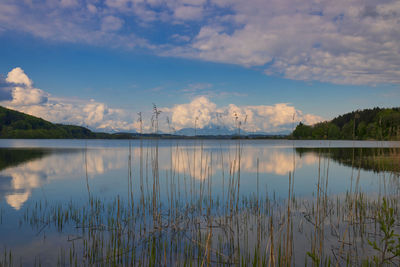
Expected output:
(213, 129)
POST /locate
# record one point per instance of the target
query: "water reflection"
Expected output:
(369, 159)
(44, 203)
(21, 185)
(24, 170)
(274, 160)
(40, 167)
(200, 162)
(17, 182)
(14, 157)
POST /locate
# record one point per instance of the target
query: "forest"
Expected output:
(367, 124)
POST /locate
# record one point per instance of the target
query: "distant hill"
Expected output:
(367, 124)
(14, 124)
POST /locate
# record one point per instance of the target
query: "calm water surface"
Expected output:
(58, 171)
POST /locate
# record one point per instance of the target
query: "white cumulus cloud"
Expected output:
(200, 112)
(17, 75)
(28, 96)
(24, 93)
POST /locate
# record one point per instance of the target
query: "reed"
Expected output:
(178, 218)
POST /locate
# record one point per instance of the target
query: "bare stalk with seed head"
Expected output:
(156, 113)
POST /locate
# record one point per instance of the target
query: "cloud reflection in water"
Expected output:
(193, 161)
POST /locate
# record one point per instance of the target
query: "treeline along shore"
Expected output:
(367, 124)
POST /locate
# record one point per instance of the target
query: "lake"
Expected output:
(167, 202)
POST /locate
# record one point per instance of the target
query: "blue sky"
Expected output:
(99, 62)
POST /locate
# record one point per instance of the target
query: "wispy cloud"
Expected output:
(208, 90)
(343, 41)
(196, 87)
(305, 40)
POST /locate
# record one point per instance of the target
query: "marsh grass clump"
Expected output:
(387, 242)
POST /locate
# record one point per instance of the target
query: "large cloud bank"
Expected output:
(342, 41)
(200, 112)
